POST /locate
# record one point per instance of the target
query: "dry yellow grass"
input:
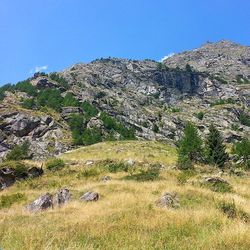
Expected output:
(125, 217)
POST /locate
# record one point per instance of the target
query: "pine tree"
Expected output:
(215, 149)
(190, 147)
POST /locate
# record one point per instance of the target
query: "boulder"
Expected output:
(106, 178)
(62, 197)
(169, 200)
(215, 180)
(7, 177)
(43, 202)
(35, 172)
(90, 196)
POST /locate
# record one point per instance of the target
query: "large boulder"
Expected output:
(90, 196)
(41, 203)
(35, 172)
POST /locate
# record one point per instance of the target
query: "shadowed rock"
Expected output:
(169, 200)
(35, 172)
(90, 196)
(215, 180)
(41, 203)
(7, 177)
(62, 197)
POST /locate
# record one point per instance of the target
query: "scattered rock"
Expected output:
(215, 179)
(35, 172)
(90, 196)
(89, 162)
(7, 177)
(106, 178)
(130, 163)
(169, 200)
(41, 203)
(62, 197)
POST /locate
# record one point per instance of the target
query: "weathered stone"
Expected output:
(90, 196)
(169, 200)
(215, 180)
(7, 177)
(41, 203)
(35, 172)
(106, 178)
(62, 197)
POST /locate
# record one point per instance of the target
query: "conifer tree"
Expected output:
(215, 149)
(190, 147)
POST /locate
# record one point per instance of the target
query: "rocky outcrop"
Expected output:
(90, 196)
(44, 134)
(62, 197)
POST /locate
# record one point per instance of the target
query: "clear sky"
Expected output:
(50, 35)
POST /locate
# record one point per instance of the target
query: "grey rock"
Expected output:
(35, 172)
(90, 196)
(7, 177)
(169, 200)
(62, 197)
(41, 203)
(106, 178)
(214, 179)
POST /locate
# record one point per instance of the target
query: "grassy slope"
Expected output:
(126, 216)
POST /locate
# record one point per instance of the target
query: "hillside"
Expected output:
(127, 215)
(116, 99)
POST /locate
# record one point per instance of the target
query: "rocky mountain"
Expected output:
(113, 97)
(225, 59)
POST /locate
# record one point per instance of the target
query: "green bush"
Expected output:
(55, 77)
(26, 86)
(92, 172)
(244, 119)
(70, 100)
(55, 164)
(89, 109)
(7, 200)
(242, 149)
(19, 152)
(200, 115)
(232, 212)
(222, 102)
(221, 187)
(20, 168)
(115, 167)
(183, 177)
(50, 98)
(91, 136)
(6, 87)
(29, 103)
(152, 173)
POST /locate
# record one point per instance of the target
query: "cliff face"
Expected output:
(156, 99)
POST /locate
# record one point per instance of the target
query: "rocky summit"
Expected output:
(112, 99)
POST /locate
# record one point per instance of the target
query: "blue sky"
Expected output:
(53, 34)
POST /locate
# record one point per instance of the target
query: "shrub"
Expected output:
(29, 103)
(221, 187)
(76, 123)
(91, 136)
(115, 167)
(89, 109)
(242, 149)
(26, 86)
(6, 87)
(7, 200)
(20, 168)
(19, 152)
(92, 172)
(200, 115)
(222, 102)
(55, 77)
(55, 164)
(244, 119)
(51, 98)
(70, 100)
(183, 177)
(150, 174)
(155, 128)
